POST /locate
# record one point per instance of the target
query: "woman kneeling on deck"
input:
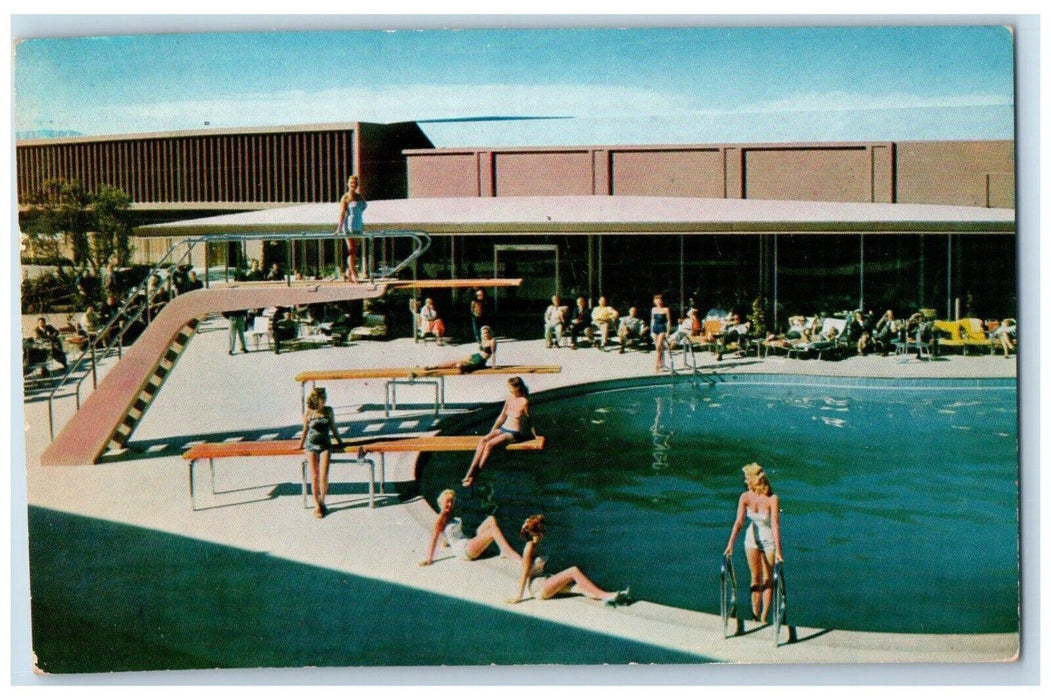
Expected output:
(319, 422)
(465, 548)
(512, 425)
(762, 542)
(544, 587)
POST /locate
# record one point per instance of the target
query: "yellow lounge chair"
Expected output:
(952, 330)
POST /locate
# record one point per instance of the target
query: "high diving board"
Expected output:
(354, 454)
(411, 376)
(455, 284)
(107, 410)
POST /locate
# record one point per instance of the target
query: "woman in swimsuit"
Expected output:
(319, 423)
(478, 360)
(466, 548)
(660, 321)
(351, 224)
(544, 587)
(512, 425)
(762, 542)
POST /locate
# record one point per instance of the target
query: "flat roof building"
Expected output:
(831, 226)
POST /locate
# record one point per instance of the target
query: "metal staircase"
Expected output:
(150, 389)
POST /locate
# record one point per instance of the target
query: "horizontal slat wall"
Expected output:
(297, 166)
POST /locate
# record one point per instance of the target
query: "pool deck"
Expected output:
(213, 395)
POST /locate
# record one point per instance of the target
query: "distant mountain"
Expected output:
(46, 134)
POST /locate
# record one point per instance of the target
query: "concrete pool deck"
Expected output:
(252, 579)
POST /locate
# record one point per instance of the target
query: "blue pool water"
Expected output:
(899, 502)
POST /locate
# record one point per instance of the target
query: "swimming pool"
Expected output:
(899, 499)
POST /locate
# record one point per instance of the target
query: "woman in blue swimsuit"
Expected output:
(351, 224)
(319, 426)
(660, 321)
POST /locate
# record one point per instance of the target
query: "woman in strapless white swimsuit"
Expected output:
(465, 548)
(762, 541)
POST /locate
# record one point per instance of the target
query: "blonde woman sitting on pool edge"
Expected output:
(468, 549)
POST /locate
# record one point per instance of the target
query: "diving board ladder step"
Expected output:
(152, 387)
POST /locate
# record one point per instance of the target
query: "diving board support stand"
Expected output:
(344, 458)
(409, 376)
(290, 448)
(335, 457)
(390, 392)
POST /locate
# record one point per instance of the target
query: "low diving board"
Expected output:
(409, 376)
(403, 372)
(354, 453)
(441, 443)
(266, 448)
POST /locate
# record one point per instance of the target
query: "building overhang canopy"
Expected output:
(609, 215)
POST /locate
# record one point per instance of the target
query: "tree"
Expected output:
(758, 316)
(111, 240)
(96, 227)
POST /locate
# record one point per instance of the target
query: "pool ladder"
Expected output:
(783, 633)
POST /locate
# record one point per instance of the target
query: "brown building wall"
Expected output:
(538, 174)
(245, 167)
(265, 167)
(678, 173)
(444, 174)
(381, 164)
(973, 173)
(809, 174)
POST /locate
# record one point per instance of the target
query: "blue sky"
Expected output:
(639, 85)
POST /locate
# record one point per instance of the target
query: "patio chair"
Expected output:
(918, 343)
(261, 329)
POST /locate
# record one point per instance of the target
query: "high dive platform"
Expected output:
(110, 413)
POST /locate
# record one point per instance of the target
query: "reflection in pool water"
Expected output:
(899, 504)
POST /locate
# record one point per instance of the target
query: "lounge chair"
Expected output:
(375, 326)
(949, 335)
(974, 335)
(786, 341)
(708, 339)
(829, 340)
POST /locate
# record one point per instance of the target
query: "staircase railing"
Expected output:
(140, 301)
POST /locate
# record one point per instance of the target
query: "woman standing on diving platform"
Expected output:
(351, 224)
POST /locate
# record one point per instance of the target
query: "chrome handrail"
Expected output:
(727, 594)
(140, 300)
(779, 604)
